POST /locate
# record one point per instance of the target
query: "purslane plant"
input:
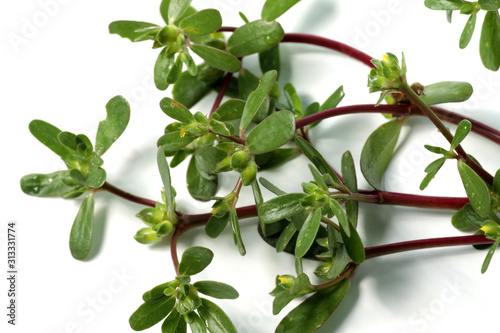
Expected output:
(263, 125)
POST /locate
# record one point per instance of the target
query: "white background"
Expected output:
(60, 64)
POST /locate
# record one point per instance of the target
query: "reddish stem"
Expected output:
(401, 110)
(323, 42)
(221, 93)
(197, 220)
(329, 44)
(125, 195)
(376, 251)
(411, 200)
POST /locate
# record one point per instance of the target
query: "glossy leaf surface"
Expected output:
(149, 314)
(272, 132)
(216, 289)
(314, 311)
(254, 37)
(194, 260)
(110, 129)
(201, 23)
(217, 58)
(446, 92)
(273, 9)
(281, 207)
(256, 98)
(377, 152)
(476, 189)
(80, 237)
(216, 319)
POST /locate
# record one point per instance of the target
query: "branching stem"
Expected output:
(415, 99)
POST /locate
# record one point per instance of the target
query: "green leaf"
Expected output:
(189, 90)
(167, 183)
(171, 322)
(216, 319)
(468, 31)
(281, 207)
(201, 188)
(78, 177)
(444, 4)
(219, 127)
(489, 43)
(216, 225)
(300, 283)
(217, 58)
(340, 262)
(377, 151)
(489, 4)
(285, 237)
(318, 177)
(311, 109)
(95, 177)
(80, 237)
(273, 9)
(341, 217)
(176, 8)
(334, 99)
(292, 98)
(110, 129)
(256, 99)
(496, 182)
(189, 62)
(476, 189)
(446, 92)
(332, 239)
(48, 185)
(47, 134)
(248, 82)
(276, 158)
(230, 110)
(432, 169)
(163, 64)
(195, 323)
(307, 233)
(463, 129)
(350, 181)
(133, 30)
(353, 245)
(149, 314)
(201, 181)
(182, 326)
(194, 260)
(175, 71)
(235, 227)
(436, 150)
(315, 157)
(164, 7)
(173, 141)
(314, 311)
(201, 23)
(216, 289)
(467, 217)
(176, 110)
(270, 59)
(281, 300)
(487, 260)
(271, 187)
(272, 132)
(254, 37)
